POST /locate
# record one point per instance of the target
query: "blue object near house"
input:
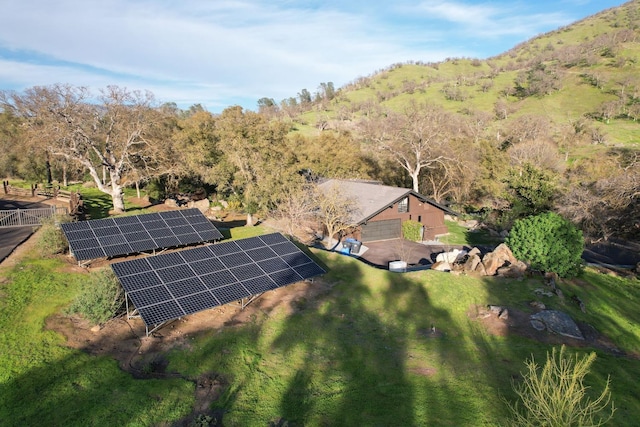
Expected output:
(351, 245)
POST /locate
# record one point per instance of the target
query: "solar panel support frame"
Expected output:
(248, 300)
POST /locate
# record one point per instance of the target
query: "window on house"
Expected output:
(403, 205)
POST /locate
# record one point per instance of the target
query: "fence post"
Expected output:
(33, 190)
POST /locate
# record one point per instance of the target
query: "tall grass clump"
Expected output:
(557, 396)
(51, 239)
(100, 299)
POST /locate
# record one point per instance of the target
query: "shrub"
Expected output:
(411, 230)
(51, 239)
(549, 243)
(100, 299)
(556, 394)
(234, 202)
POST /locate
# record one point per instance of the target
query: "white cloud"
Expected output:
(239, 49)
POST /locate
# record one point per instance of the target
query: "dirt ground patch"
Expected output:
(518, 323)
(125, 339)
(143, 356)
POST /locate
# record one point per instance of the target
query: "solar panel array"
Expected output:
(168, 286)
(110, 237)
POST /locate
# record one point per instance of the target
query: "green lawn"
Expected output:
(459, 235)
(361, 353)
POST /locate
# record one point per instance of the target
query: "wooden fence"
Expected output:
(76, 205)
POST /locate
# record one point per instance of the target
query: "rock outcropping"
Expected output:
(500, 262)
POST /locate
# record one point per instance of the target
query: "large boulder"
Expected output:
(496, 259)
(513, 271)
(172, 203)
(202, 205)
(451, 256)
(556, 322)
(472, 262)
(441, 266)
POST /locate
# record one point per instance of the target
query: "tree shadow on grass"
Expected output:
(370, 356)
(98, 205)
(83, 390)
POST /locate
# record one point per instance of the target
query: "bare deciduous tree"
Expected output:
(609, 205)
(335, 211)
(112, 136)
(540, 152)
(296, 207)
(415, 139)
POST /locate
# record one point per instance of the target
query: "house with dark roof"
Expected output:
(383, 209)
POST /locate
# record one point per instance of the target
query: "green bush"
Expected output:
(411, 230)
(51, 239)
(100, 299)
(549, 243)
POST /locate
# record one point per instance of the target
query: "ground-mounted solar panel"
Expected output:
(218, 279)
(235, 260)
(197, 254)
(230, 293)
(245, 272)
(284, 248)
(115, 250)
(225, 248)
(196, 279)
(273, 238)
(273, 265)
(285, 277)
(163, 312)
(206, 266)
(110, 237)
(86, 244)
(198, 302)
(89, 253)
(258, 285)
(135, 282)
(189, 286)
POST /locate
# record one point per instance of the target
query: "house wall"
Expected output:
(431, 217)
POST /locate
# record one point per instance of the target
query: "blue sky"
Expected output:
(233, 52)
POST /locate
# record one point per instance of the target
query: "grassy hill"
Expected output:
(588, 63)
(358, 346)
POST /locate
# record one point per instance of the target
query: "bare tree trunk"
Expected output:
(138, 189)
(48, 167)
(65, 182)
(117, 195)
(415, 178)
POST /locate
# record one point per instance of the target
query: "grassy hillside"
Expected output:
(373, 348)
(594, 61)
